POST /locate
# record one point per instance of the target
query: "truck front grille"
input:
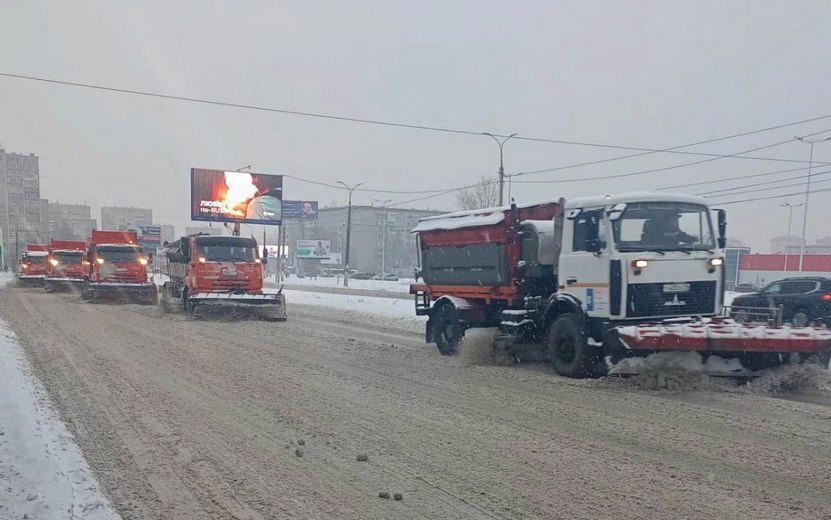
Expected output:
(646, 300)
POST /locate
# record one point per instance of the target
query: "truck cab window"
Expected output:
(664, 226)
(586, 227)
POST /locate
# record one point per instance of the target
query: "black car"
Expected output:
(803, 301)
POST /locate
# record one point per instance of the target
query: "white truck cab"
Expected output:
(641, 256)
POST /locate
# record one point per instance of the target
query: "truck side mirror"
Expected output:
(593, 245)
(722, 229)
(264, 261)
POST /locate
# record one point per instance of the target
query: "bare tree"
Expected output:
(484, 194)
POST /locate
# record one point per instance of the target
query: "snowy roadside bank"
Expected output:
(43, 474)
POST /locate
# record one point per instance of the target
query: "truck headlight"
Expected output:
(142, 261)
(640, 264)
(715, 262)
(54, 261)
(100, 261)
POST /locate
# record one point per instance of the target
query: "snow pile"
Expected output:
(676, 362)
(401, 286)
(44, 475)
(792, 379)
(392, 311)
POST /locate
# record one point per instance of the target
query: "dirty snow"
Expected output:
(390, 310)
(42, 471)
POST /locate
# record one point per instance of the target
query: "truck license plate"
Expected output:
(676, 287)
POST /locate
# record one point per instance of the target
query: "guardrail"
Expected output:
(773, 316)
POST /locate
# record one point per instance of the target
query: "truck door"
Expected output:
(584, 263)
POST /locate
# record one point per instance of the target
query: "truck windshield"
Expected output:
(119, 255)
(226, 253)
(664, 226)
(68, 257)
(36, 260)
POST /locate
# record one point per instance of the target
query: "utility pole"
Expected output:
(348, 231)
(790, 219)
(384, 234)
(501, 164)
(807, 194)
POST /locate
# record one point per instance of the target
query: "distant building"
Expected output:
(734, 242)
(69, 221)
(19, 203)
(782, 243)
(114, 218)
(380, 239)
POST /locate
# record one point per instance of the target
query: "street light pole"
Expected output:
(790, 220)
(348, 231)
(807, 194)
(501, 163)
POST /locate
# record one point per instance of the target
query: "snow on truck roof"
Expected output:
(632, 196)
(36, 253)
(471, 218)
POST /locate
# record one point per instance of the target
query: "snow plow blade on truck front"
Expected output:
(756, 345)
(269, 306)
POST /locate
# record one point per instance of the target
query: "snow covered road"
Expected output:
(194, 419)
(42, 472)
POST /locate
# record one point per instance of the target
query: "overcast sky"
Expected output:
(636, 73)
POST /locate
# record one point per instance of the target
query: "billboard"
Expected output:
(148, 236)
(299, 209)
(239, 197)
(313, 249)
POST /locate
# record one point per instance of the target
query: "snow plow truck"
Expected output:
(115, 267)
(32, 267)
(64, 265)
(588, 282)
(218, 273)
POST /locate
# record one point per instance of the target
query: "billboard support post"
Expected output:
(348, 232)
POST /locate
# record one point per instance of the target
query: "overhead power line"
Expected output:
(778, 196)
(319, 115)
(730, 179)
(656, 170)
(769, 188)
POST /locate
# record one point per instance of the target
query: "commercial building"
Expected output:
(380, 240)
(114, 218)
(19, 203)
(69, 221)
(786, 242)
(760, 270)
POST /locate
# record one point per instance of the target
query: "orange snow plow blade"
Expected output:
(724, 335)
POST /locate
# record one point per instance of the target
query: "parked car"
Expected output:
(804, 300)
(362, 276)
(386, 277)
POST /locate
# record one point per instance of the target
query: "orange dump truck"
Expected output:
(223, 273)
(64, 265)
(32, 268)
(116, 267)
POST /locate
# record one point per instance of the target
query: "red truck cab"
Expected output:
(32, 269)
(116, 264)
(65, 264)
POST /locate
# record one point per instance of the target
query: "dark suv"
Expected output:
(803, 300)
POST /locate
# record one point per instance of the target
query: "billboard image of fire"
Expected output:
(247, 198)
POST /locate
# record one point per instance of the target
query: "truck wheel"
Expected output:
(447, 332)
(568, 349)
